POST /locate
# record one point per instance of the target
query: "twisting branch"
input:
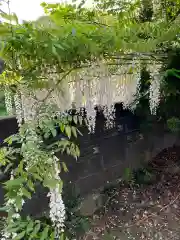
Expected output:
(58, 82)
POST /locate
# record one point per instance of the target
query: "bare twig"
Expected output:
(58, 82)
(173, 201)
(151, 215)
(109, 199)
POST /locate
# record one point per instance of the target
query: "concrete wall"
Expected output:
(115, 153)
(104, 156)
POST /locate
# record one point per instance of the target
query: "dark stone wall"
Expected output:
(8, 126)
(104, 157)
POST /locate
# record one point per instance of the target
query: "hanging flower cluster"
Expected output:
(57, 208)
(18, 107)
(87, 88)
(29, 105)
(8, 101)
(154, 93)
(96, 86)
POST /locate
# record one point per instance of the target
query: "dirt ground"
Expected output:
(148, 209)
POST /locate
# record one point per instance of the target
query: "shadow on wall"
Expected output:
(1, 66)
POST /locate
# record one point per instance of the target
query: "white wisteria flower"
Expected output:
(57, 209)
(56, 204)
(18, 107)
(8, 101)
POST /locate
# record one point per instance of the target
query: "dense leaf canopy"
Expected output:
(70, 37)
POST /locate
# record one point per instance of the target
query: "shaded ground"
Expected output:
(147, 208)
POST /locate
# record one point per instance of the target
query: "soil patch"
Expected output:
(146, 208)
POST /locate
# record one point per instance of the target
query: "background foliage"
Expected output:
(67, 39)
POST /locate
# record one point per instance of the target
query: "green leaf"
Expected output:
(14, 182)
(30, 227)
(59, 166)
(85, 225)
(11, 225)
(60, 186)
(68, 151)
(4, 209)
(62, 236)
(70, 118)
(35, 231)
(52, 236)
(26, 193)
(54, 132)
(20, 235)
(128, 174)
(74, 131)
(64, 167)
(8, 140)
(44, 235)
(13, 230)
(59, 46)
(62, 127)
(85, 121)
(77, 151)
(20, 167)
(10, 17)
(75, 118)
(46, 135)
(80, 119)
(23, 224)
(56, 54)
(50, 183)
(30, 185)
(8, 167)
(19, 202)
(68, 131)
(36, 176)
